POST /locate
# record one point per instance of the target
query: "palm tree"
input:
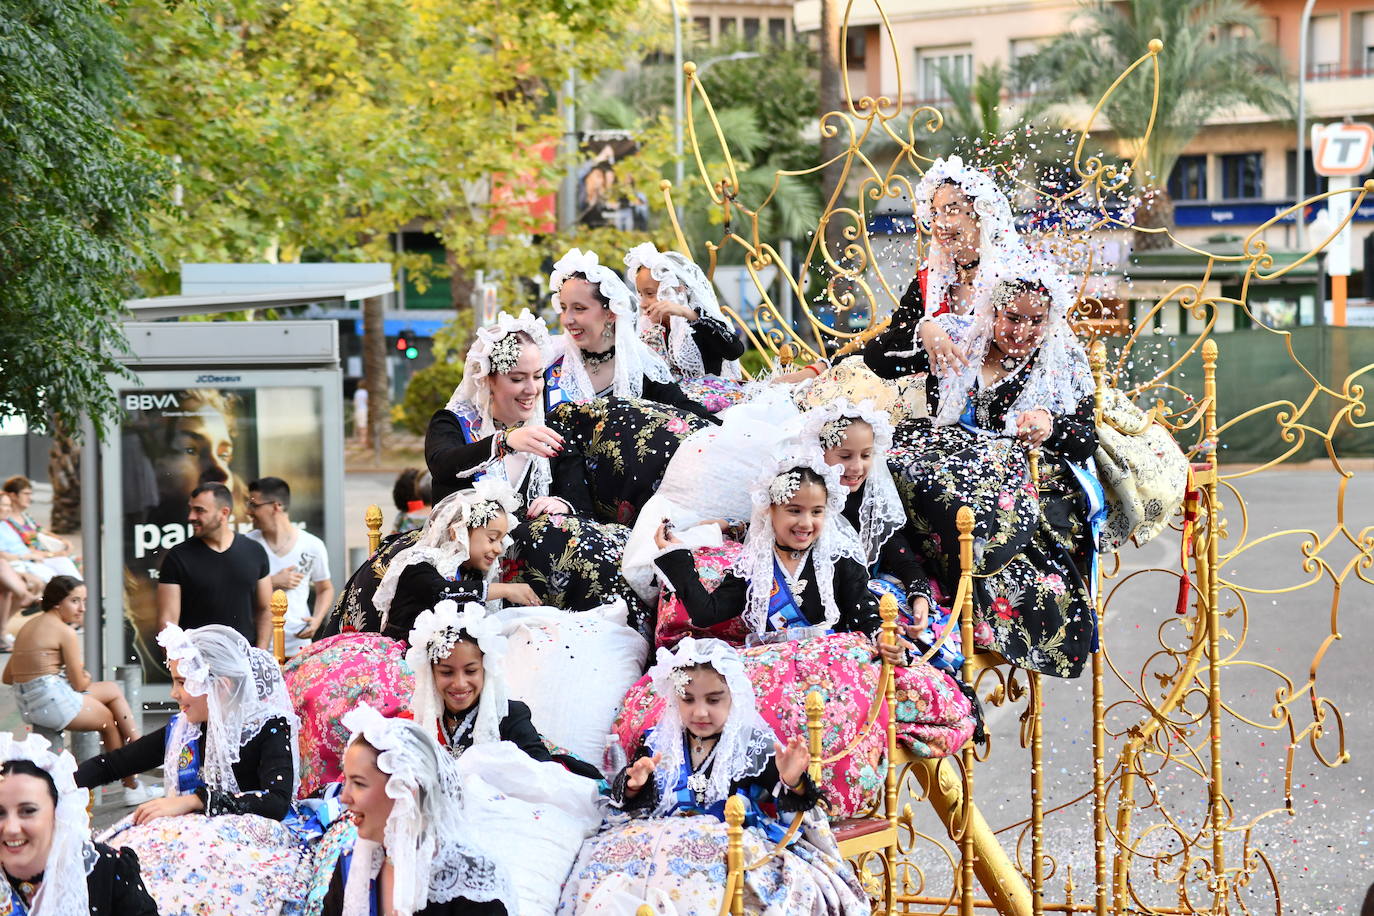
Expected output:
(1213, 60)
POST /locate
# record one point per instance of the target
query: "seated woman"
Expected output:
(799, 569)
(17, 591)
(1029, 386)
(599, 352)
(55, 551)
(25, 551)
(229, 763)
(460, 685)
(456, 559)
(712, 744)
(56, 870)
(973, 240)
(412, 854)
(680, 319)
(53, 688)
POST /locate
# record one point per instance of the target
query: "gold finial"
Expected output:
(887, 608)
(787, 354)
(1156, 45)
(815, 710)
(645, 910)
(373, 518)
(1209, 352)
(963, 520)
(664, 185)
(278, 606)
(734, 811)
(1097, 357)
(689, 68)
(1369, 185)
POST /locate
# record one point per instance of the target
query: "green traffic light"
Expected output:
(411, 352)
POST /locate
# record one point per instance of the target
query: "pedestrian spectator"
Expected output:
(413, 494)
(360, 412)
(53, 687)
(216, 576)
(24, 544)
(298, 561)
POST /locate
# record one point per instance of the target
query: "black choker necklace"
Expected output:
(597, 359)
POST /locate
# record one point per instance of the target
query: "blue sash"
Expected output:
(16, 907)
(553, 385)
(1086, 475)
(345, 863)
(188, 764)
(469, 435)
(784, 612)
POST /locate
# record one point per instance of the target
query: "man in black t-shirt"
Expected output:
(216, 576)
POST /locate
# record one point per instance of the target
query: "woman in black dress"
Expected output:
(1028, 385)
(51, 866)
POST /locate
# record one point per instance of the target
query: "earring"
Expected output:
(608, 332)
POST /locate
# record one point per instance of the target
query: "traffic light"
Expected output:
(405, 343)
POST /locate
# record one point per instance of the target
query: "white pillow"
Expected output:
(530, 817)
(573, 669)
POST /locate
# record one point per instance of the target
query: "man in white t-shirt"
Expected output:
(297, 558)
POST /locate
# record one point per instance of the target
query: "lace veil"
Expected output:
(999, 246)
(432, 638)
(72, 855)
(880, 513)
(1059, 378)
(425, 836)
(243, 687)
(634, 360)
(681, 281)
(837, 539)
(746, 741)
(471, 400)
(439, 546)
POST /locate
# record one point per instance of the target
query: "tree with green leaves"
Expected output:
(76, 187)
(1214, 60)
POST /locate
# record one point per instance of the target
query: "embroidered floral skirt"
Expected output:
(712, 392)
(677, 866)
(934, 717)
(1031, 599)
(573, 563)
(329, 678)
(627, 445)
(228, 865)
(354, 609)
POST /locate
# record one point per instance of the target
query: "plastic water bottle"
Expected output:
(613, 759)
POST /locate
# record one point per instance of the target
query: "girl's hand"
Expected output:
(638, 773)
(1035, 426)
(792, 759)
(946, 357)
(894, 653)
(535, 440)
(513, 592)
(920, 614)
(548, 505)
(175, 806)
(664, 537)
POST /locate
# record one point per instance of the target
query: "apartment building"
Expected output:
(1237, 173)
(719, 21)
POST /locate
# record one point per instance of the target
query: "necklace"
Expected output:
(700, 779)
(593, 360)
(460, 730)
(798, 585)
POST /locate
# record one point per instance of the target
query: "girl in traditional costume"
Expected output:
(458, 657)
(1028, 385)
(51, 866)
(712, 744)
(410, 852)
(229, 759)
(681, 320)
(456, 558)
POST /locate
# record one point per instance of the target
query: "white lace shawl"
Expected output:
(880, 512)
(680, 281)
(71, 855)
(432, 638)
(437, 544)
(1059, 378)
(426, 833)
(471, 400)
(746, 741)
(243, 687)
(634, 360)
(837, 539)
(999, 246)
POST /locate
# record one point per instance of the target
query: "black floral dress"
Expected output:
(1032, 549)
